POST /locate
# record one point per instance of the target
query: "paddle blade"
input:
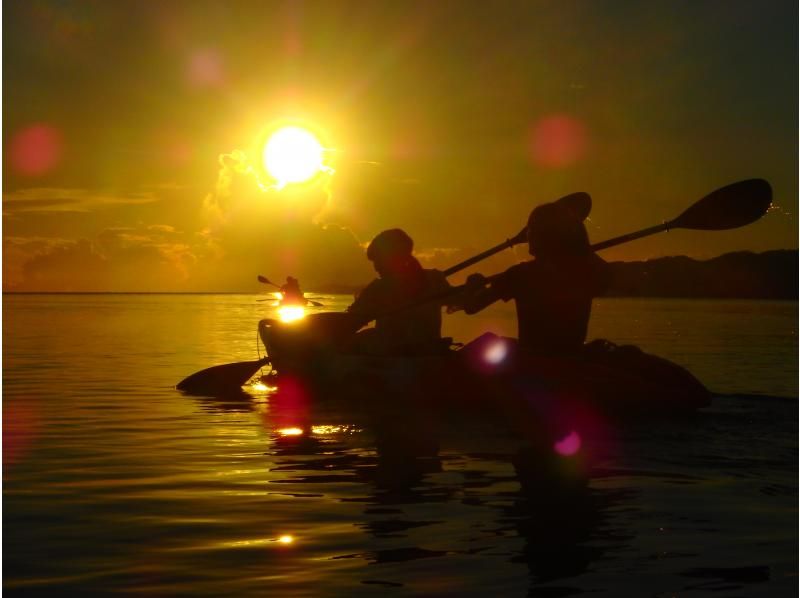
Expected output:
(220, 379)
(731, 206)
(264, 279)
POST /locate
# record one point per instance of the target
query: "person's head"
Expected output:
(291, 280)
(557, 229)
(390, 251)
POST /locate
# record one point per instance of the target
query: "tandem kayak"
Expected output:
(486, 371)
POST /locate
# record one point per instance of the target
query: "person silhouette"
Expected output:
(553, 292)
(402, 282)
(291, 291)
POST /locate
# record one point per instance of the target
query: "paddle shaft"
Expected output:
(488, 253)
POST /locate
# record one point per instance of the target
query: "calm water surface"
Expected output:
(113, 482)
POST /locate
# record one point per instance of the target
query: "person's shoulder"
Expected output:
(525, 268)
(516, 273)
(371, 290)
(434, 274)
(375, 286)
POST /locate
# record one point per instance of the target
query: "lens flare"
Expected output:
(292, 155)
(36, 150)
(496, 352)
(558, 141)
(569, 445)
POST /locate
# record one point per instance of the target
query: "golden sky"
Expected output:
(130, 130)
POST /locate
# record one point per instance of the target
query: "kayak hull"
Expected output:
(490, 370)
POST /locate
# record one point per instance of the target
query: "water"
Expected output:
(113, 482)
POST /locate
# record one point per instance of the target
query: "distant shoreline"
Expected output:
(771, 275)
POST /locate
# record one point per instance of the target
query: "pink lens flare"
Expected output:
(206, 69)
(569, 445)
(496, 352)
(21, 425)
(36, 150)
(558, 141)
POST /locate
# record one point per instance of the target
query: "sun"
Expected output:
(292, 155)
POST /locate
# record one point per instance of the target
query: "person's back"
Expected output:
(402, 283)
(553, 300)
(291, 291)
(554, 292)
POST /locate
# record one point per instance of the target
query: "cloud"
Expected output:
(315, 233)
(46, 199)
(155, 258)
(252, 229)
(76, 266)
(442, 258)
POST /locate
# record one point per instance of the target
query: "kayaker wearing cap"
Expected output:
(402, 281)
(553, 293)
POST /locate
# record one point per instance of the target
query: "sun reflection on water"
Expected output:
(294, 431)
(290, 313)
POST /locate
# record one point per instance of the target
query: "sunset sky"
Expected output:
(132, 131)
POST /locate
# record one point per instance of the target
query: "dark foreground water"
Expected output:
(113, 482)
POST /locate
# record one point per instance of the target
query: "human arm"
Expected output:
(479, 294)
(475, 295)
(366, 305)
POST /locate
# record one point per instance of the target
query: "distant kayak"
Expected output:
(486, 371)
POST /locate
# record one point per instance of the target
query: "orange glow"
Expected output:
(291, 313)
(292, 155)
(290, 431)
(286, 539)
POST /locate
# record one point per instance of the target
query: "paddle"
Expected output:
(266, 280)
(220, 379)
(731, 206)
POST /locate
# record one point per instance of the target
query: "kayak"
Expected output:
(485, 372)
(296, 302)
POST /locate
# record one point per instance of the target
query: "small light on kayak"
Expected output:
(569, 445)
(290, 431)
(286, 539)
(496, 352)
(290, 313)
